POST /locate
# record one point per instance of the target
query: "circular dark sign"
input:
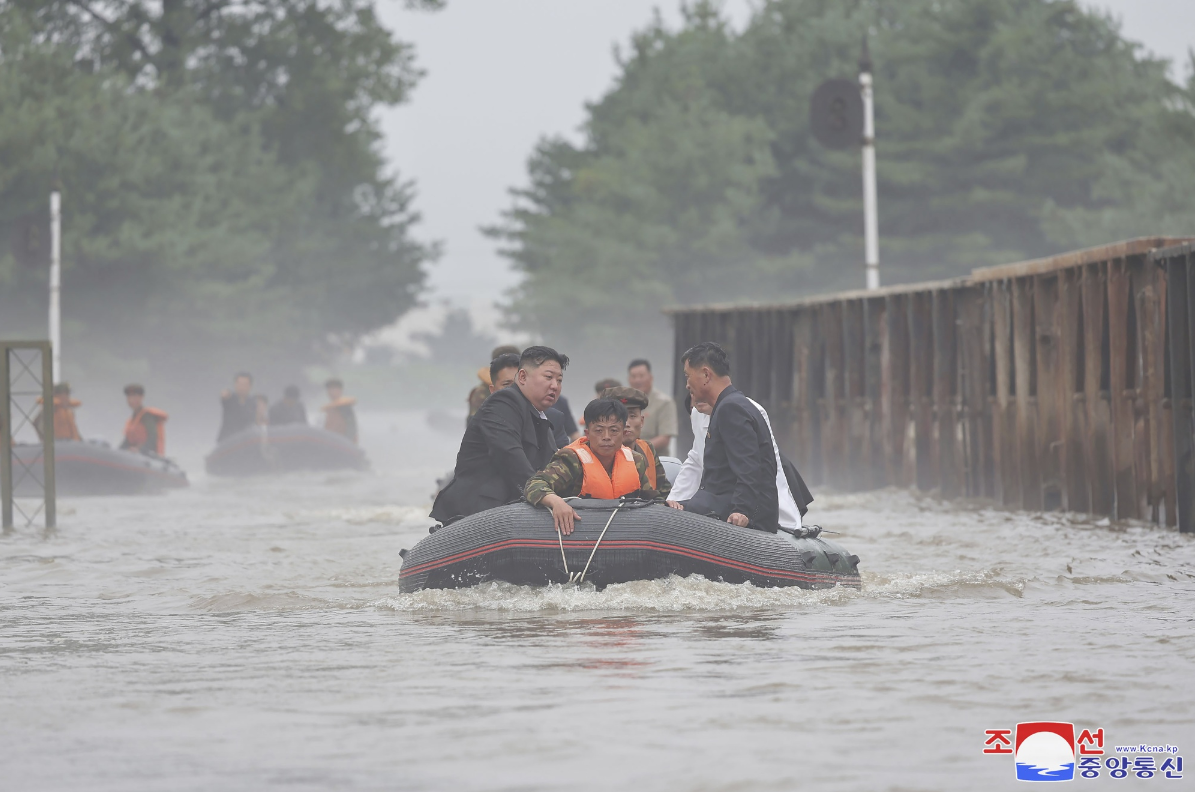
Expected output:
(836, 114)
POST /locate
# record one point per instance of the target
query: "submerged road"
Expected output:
(250, 635)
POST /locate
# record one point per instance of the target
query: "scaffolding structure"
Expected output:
(26, 388)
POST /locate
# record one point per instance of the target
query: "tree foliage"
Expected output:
(1007, 129)
(225, 195)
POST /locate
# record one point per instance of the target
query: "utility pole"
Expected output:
(871, 223)
(56, 282)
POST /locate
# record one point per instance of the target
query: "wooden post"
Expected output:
(921, 373)
(1004, 423)
(973, 374)
(896, 378)
(1049, 367)
(857, 452)
(875, 332)
(1024, 352)
(945, 351)
(834, 436)
(1121, 345)
(1071, 401)
(1180, 303)
(1097, 391)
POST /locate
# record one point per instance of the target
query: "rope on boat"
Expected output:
(573, 577)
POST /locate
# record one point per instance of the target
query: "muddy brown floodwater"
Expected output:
(250, 635)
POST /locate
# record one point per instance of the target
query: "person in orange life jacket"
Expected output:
(597, 465)
(636, 402)
(65, 427)
(145, 430)
(339, 415)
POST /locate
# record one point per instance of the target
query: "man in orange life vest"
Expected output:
(145, 430)
(339, 415)
(636, 402)
(597, 465)
(64, 414)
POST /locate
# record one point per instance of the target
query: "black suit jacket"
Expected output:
(739, 470)
(505, 444)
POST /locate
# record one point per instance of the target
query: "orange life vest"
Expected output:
(135, 433)
(600, 484)
(64, 418)
(650, 452)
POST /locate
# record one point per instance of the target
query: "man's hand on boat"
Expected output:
(674, 505)
(738, 519)
(563, 515)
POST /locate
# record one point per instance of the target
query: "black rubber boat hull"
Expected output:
(518, 544)
(281, 449)
(92, 467)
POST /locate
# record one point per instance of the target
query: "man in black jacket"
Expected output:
(738, 480)
(507, 441)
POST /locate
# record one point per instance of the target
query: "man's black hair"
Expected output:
(707, 353)
(639, 362)
(291, 392)
(240, 374)
(129, 390)
(334, 383)
(504, 361)
(603, 410)
(535, 356)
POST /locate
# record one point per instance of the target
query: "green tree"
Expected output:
(222, 170)
(1007, 129)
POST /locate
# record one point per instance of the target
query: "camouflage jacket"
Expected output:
(663, 485)
(564, 475)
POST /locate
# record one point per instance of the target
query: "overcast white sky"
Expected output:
(503, 73)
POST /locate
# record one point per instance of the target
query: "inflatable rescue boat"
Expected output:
(280, 449)
(92, 467)
(617, 542)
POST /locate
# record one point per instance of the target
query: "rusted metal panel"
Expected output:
(895, 362)
(921, 374)
(1025, 373)
(1049, 415)
(1071, 401)
(1122, 334)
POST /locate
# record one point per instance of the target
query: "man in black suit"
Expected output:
(507, 440)
(738, 480)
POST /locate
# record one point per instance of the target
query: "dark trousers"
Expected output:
(708, 504)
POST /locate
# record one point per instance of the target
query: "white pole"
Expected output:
(56, 282)
(871, 229)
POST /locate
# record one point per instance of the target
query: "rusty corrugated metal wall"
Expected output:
(1062, 383)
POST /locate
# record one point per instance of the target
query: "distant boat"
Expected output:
(92, 467)
(261, 450)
